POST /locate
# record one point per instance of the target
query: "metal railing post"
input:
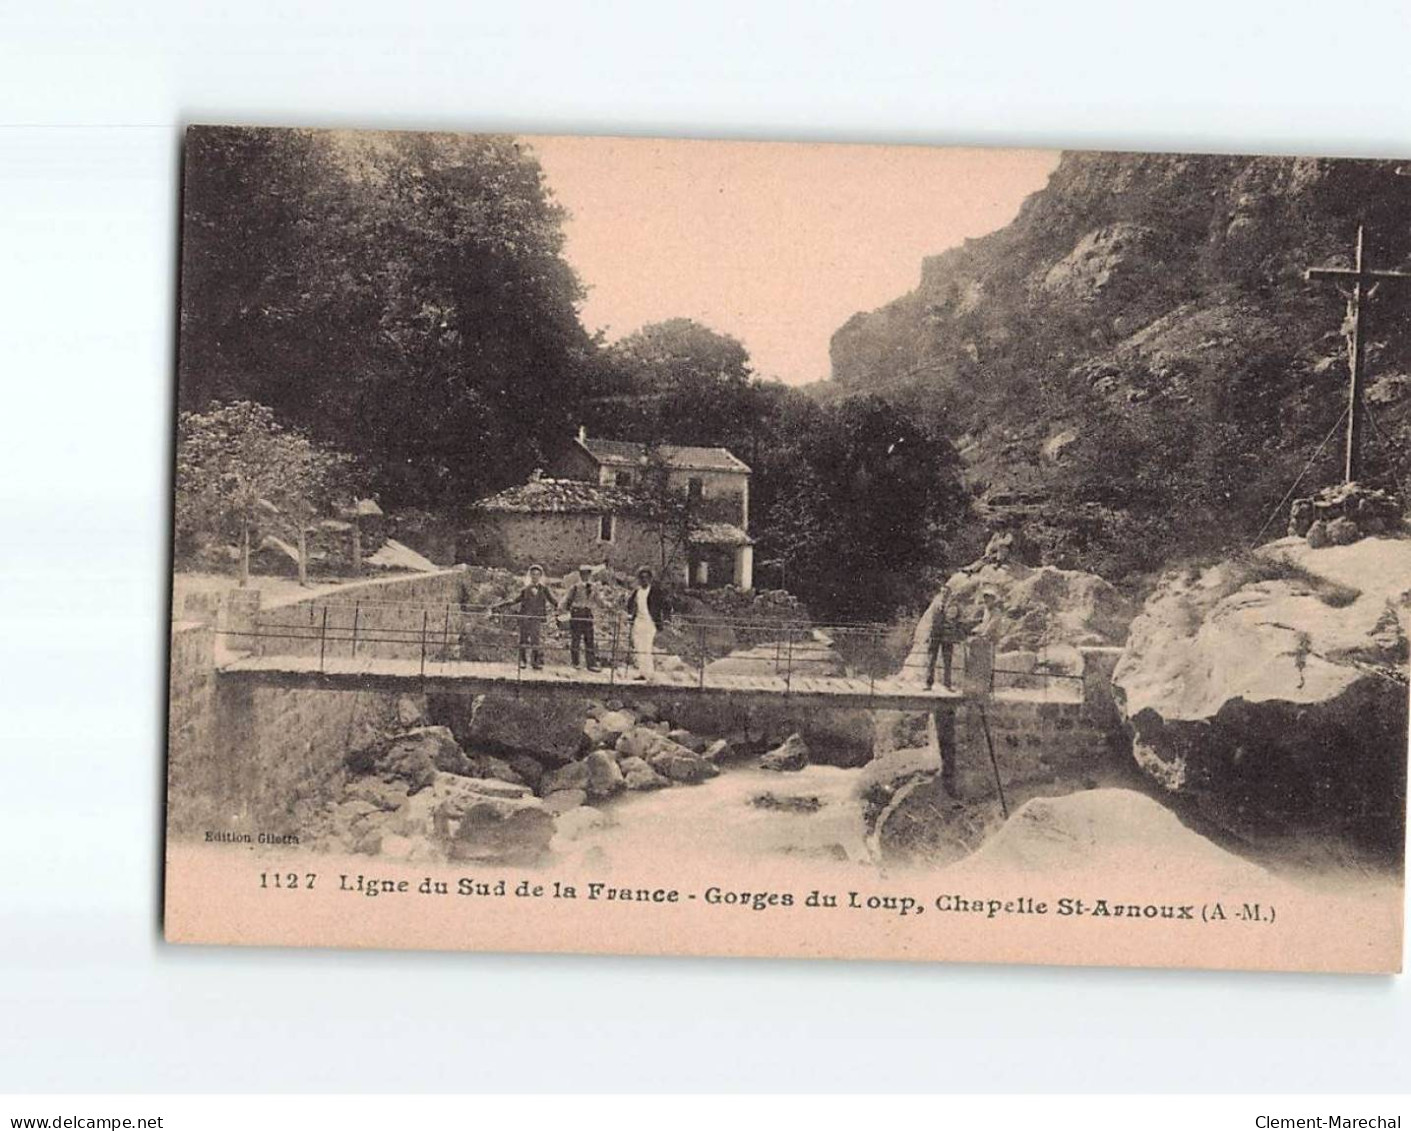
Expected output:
(700, 644)
(357, 610)
(872, 664)
(322, 636)
(446, 636)
(425, 620)
(612, 656)
(789, 666)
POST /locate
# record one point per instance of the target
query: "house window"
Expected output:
(605, 528)
(624, 479)
(694, 489)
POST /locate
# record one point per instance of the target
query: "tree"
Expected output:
(859, 501)
(668, 512)
(236, 464)
(402, 296)
(676, 381)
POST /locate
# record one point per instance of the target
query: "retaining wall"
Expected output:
(256, 759)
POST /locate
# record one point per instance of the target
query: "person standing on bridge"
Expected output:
(946, 632)
(534, 602)
(579, 604)
(647, 611)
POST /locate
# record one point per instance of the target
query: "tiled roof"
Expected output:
(720, 534)
(555, 496)
(620, 453)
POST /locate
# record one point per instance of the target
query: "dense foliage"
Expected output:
(400, 295)
(404, 298)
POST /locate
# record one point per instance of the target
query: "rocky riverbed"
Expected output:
(523, 782)
(635, 790)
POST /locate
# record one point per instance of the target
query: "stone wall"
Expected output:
(388, 617)
(261, 759)
(255, 759)
(561, 542)
(1041, 748)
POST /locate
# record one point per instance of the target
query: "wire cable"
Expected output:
(1279, 506)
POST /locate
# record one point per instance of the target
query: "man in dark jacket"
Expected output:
(534, 602)
(946, 631)
(579, 603)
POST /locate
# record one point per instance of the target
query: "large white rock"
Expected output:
(1271, 689)
(1114, 832)
(1045, 611)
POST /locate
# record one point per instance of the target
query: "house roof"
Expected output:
(720, 534)
(625, 453)
(555, 496)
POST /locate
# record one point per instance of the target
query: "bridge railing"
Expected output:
(706, 652)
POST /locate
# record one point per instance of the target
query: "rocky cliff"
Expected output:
(1136, 362)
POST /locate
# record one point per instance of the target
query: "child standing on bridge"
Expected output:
(534, 602)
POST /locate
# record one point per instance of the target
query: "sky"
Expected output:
(776, 244)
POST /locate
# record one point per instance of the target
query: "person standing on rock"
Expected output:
(647, 611)
(534, 602)
(991, 621)
(579, 604)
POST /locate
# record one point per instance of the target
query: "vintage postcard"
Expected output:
(712, 548)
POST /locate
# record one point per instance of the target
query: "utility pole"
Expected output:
(1364, 282)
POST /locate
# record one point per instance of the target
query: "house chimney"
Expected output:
(582, 433)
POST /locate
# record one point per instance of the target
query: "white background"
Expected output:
(91, 97)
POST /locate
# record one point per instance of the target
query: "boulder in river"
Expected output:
(718, 751)
(548, 728)
(640, 742)
(639, 776)
(679, 764)
(1107, 832)
(572, 776)
(614, 724)
(604, 777)
(1270, 691)
(499, 832)
(387, 796)
(692, 742)
(791, 754)
(453, 796)
(564, 800)
(413, 757)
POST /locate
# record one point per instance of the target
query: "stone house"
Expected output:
(583, 512)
